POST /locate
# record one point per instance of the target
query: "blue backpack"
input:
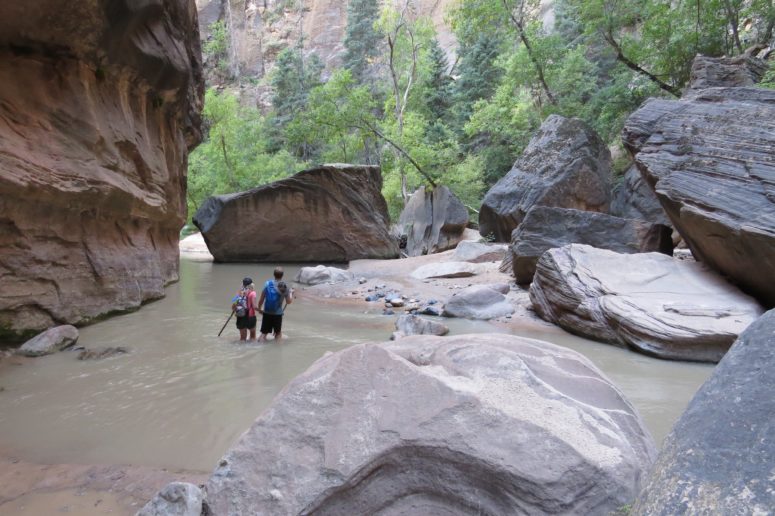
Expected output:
(273, 301)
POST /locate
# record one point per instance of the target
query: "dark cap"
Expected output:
(247, 281)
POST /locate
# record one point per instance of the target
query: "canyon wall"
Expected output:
(99, 106)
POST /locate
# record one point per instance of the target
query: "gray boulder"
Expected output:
(322, 274)
(648, 302)
(432, 221)
(445, 270)
(546, 228)
(710, 157)
(415, 325)
(477, 252)
(50, 341)
(712, 72)
(478, 302)
(176, 499)
(566, 165)
(471, 424)
(633, 198)
(725, 463)
(331, 213)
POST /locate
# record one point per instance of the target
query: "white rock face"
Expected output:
(650, 302)
(479, 302)
(50, 341)
(471, 424)
(176, 499)
(322, 274)
(446, 270)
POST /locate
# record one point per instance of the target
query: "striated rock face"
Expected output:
(633, 198)
(100, 106)
(649, 302)
(546, 228)
(432, 221)
(471, 424)
(332, 213)
(565, 165)
(711, 72)
(711, 160)
(720, 457)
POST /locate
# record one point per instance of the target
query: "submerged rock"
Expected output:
(710, 157)
(322, 274)
(488, 424)
(100, 353)
(478, 302)
(50, 341)
(648, 302)
(546, 228)
(565, 165)
(100, 106)
(719, 457)
(331, 213)
(432, 221)
(176, 499)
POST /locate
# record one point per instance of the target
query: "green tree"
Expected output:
(361, 41)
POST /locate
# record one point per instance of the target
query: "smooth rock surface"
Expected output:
(546, 228)
(432, 221)
(720, 456)
(50, 341)
(633, 198)
(176, 499)
(566, 165)
(478, 302)
(471, 424)
(331, 213)
(322, 274)
(711, 160)
(445, 270)
(648, 302)
(100, 106)
(415, 325)
(477, 252)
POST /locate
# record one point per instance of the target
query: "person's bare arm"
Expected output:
(289, 297)
(261, 303)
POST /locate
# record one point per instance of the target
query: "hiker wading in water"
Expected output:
(271, 306)
(244, 306)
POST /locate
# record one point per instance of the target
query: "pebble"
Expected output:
(388, 311)
(361, 280)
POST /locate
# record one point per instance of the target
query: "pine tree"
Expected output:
(478, 75)
(439, 94)
(361, 41)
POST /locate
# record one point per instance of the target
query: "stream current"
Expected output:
(182, 395)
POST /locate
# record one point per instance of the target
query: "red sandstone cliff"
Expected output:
(99, 107)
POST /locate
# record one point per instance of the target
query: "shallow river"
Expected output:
(183, 395)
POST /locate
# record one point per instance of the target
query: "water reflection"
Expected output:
(183, 395)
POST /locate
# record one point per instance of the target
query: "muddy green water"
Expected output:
(183, 395)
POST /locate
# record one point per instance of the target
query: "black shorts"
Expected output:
(271, 323)
(246, 323)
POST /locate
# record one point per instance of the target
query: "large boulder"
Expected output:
(100, 106)
(478, 302)
(649, 302)
(710, 157)
(432, 221)
(633, 198)
(322, 274)
(565, 165)
(720, 456)
(330, 213)
(478, 252)
(546, 228)
(445, 270)
(712, 72)
(50, 341)
(471, 424)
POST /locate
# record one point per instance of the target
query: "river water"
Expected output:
(183, 395)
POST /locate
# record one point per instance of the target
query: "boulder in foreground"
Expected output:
(566, 165)
(432, 221)
(546, 228)
(649, 302)
(331, 213)
(720, 456)
(484, 424)
(50, 341)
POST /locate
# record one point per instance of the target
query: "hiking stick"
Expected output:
(227, 322)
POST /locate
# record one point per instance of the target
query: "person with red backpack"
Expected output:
(244, 308)
(271, 306)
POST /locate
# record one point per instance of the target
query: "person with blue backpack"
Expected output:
(270, 304)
